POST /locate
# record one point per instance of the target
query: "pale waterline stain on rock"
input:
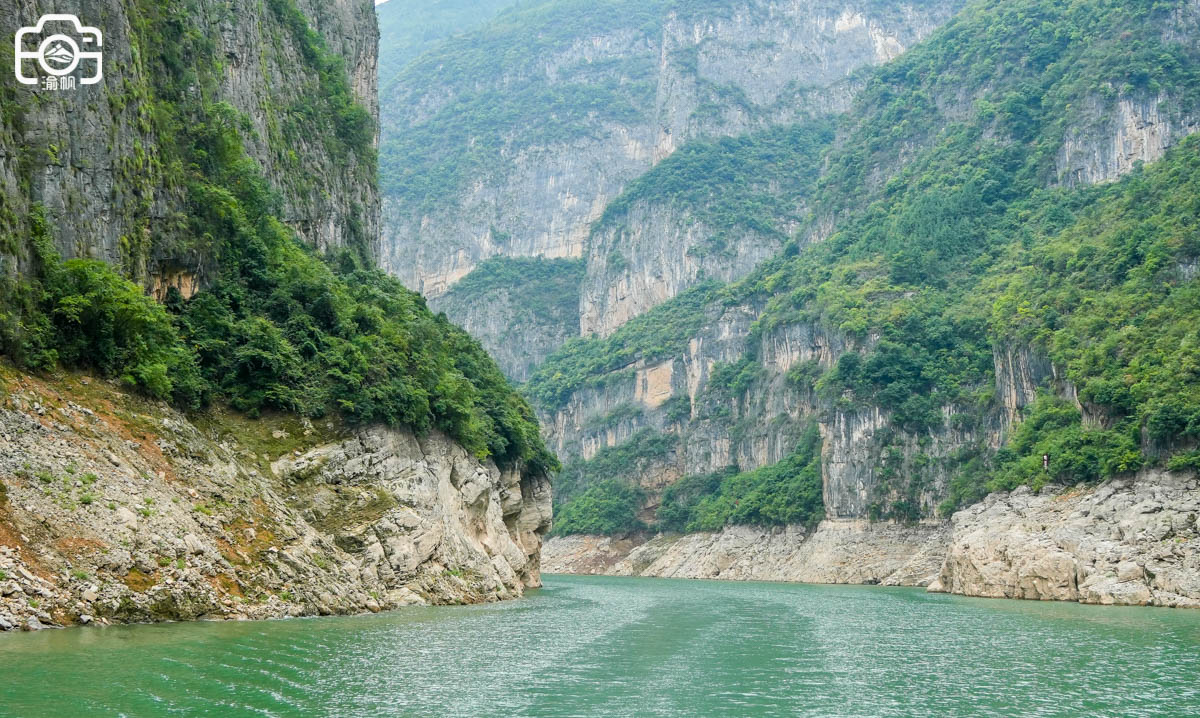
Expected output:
(1125, 542)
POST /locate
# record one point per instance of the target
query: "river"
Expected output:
(602, 646)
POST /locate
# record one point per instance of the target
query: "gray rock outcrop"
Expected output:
(120, 509)
(755, 64)
(1132, 541)
(1126, 542)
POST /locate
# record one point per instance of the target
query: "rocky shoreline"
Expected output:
(837, 551)
(114, 509)
(1130, 541)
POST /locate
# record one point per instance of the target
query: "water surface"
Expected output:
(600, 646)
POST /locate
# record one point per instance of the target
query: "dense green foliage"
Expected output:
(965, 248)
(277, 327)
(788, 492)
(281, 330)
(543, 290)
(1113, 299)
(645, 451)
(82, 313)
(754, 182)
(609, 507)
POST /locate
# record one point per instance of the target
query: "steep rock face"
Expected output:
(449, 509)
(868, 463)
(517, 338)
(652, 257)
(871, 467)
(521, 310)
(711, 74)
(635, 397)
(91, 158)
(1113, 137)
(113, 508)
(1127, 542)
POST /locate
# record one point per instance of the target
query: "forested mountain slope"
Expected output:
(513, 139)
(1000, 279)
(191, 244)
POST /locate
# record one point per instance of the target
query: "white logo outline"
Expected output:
(55, 42)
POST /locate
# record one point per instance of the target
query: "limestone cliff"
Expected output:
(114, 508)
(710, 72)
(98, 159)
(737, 383)
(868, 464)
(521, 309)
(216, 124)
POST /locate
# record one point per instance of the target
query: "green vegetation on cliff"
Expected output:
(487, 83)
(919, 264)
(544, 290)
(277, 327)
(788, 492)
(661, 332)
(754, 182)
(539, 74)
(643, 453)
(609, 507)
(962, 226)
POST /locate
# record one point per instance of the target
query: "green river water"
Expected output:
(599, 646)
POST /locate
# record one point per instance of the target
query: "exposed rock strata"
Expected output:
(118, 509)
(1127, 542)
(91, 159)
(1132, 541)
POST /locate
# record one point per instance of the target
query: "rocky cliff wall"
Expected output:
(117, 509)
(721, 72)
(516, 337)
(868, 463)
(102, 168)
(520, 315)
(653, 256)
(1110, 138)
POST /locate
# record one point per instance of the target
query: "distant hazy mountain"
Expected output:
(409, 27)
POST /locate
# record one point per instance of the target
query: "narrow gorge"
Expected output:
(784, 330)
(629, 358)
